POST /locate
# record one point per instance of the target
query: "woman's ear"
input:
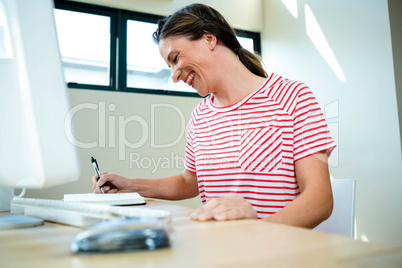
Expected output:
(211, 40)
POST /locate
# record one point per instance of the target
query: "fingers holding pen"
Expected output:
(101, 182)
(95, 177)
(112, 183)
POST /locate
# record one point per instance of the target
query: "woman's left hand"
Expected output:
(231, 207)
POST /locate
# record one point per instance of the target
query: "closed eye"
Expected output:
(171, 59)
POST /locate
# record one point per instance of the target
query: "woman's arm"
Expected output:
(315, 202)
(311, 207)
(175, 187)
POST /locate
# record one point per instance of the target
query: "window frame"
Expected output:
(103, 11)
(118, 46)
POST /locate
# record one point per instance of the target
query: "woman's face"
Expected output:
(189, 61)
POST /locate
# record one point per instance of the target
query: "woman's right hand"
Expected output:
(112, 183)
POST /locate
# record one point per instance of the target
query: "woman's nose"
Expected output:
(176, 74)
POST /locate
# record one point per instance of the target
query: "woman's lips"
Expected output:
(189, 79)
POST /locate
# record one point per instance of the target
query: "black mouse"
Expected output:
(123, 235)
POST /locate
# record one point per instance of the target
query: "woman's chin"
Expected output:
(201, 92)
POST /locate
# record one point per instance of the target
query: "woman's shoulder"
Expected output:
(278, 87)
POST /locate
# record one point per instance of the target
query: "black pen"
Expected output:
(96, 168)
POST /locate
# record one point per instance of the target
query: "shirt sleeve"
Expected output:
(311, 133)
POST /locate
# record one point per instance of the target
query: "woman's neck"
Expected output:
(237, 88)
(231, 80)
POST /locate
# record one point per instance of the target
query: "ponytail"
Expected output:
(252, 62)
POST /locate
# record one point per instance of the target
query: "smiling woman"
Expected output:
(195, 20)
(188, 62)
(186, 37)
(257, 146)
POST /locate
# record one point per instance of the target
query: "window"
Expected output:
(145, 66)
(84, 41)
(112, 49)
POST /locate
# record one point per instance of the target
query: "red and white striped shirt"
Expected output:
(249, 148)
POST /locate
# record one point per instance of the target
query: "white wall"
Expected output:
(361, 109)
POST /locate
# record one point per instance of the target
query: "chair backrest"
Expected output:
(342, 220)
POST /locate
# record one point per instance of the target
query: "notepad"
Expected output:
(109, 199)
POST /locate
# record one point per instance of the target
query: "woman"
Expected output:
(257, 146)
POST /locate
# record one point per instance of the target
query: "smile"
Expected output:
(189, 78)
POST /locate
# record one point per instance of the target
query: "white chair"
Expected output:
(342, 220)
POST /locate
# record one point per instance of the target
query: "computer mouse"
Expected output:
(123, 235)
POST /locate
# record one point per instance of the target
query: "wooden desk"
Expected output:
(243, 243)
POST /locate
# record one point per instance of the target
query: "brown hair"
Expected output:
(194, 20)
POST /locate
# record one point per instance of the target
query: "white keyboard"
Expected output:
(79, 213)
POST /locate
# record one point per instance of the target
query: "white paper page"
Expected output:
(117, 198)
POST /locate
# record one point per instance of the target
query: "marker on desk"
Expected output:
(96, 168)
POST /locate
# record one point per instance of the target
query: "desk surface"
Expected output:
(243, 243)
